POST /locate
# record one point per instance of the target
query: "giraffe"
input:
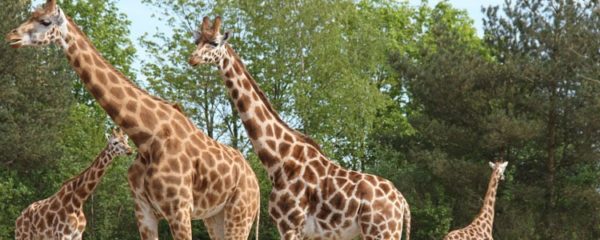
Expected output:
(481, 227)
(61, 216)
(179, 173)
(312, 197)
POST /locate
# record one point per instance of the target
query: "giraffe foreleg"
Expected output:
(240, 213)
(147, 221)
(180, 223)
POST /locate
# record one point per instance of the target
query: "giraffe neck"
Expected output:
(269, 135)
(486, 214)
(86, 182)
(112, 89)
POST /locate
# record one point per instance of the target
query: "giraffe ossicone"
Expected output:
(61, 216)
(312, 197)
(481, 227)
(179, 173)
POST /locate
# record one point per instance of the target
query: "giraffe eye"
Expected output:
(45, 22)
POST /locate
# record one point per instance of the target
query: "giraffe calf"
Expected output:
(61, 215)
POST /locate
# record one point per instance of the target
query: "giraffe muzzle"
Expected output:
(14, 39)
(194, 61)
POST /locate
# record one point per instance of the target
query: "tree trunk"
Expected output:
(551, 163)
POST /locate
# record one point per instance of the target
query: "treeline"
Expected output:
(410, 93)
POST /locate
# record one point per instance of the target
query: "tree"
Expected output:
(551, 49)
(514, 96)
(32, 103)
(439, 91)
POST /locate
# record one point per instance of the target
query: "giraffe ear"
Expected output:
(59, 18)
(492, 165)
(226, 36)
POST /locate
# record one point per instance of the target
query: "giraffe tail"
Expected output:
(407, 219)
(257, 217)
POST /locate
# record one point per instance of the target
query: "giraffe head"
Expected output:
(210, 43)
(118, 143)
(46, 25)
(499, 168)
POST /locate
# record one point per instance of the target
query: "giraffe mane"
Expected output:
(208, 33)
(74, 178)
(269, 106)
(85, 38)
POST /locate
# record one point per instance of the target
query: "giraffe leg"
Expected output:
(147, 221)
(180, 223)
(240, 213)
(216, 226)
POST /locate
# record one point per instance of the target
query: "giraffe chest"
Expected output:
(52, 225)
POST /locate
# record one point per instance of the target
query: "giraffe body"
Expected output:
(61, 216)
(481, 227)
(179, 173)
(311, 197)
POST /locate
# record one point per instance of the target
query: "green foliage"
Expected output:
(13, 193)
(514, 96)
(31, 104)
(548, 52)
